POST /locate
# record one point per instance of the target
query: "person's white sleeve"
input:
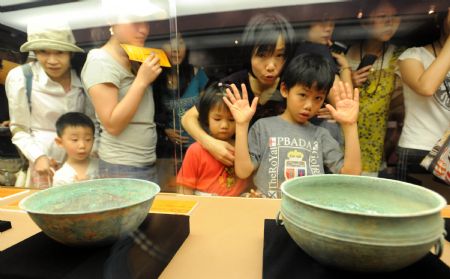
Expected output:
(20, 117)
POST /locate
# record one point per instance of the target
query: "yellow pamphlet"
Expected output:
(141, 53)
(183, 207)
(6, 192)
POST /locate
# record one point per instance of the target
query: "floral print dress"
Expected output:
(375, 98)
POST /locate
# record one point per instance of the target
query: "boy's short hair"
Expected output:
(310, 70)
(212, 97)
(262, 33)
(73, 119)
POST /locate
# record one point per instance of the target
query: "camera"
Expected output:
(339, 47)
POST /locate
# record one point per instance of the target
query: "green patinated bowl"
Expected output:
(362, 223)
(95, 212)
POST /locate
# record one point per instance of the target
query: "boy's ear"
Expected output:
(283, 89)
(58, 141)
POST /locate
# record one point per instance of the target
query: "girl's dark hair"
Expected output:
(261, 35)
(73, 119)
(310, 70)
(212, 97)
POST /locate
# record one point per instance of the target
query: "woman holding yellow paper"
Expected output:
(123, 99)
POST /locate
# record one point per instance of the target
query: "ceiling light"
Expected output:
(360, 14)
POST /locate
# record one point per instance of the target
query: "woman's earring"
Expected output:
(111, 31)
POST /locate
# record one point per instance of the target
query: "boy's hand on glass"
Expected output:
(239, 106)
(347, 104)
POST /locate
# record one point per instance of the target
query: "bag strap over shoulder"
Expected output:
(28, 74)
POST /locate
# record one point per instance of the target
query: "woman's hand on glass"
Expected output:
(44, 170)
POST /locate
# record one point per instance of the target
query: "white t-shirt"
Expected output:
(426, 118)
(67, 174)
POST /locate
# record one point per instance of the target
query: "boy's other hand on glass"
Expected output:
(347, 104)
(239, 106)
(359, 77)
(175, 136)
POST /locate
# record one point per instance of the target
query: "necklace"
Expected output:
(366, 84)
(447, 87)
(229, 177)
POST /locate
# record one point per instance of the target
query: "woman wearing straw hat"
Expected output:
(123, 100)
(54, 88)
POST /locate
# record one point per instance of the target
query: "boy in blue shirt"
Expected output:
(288, 145)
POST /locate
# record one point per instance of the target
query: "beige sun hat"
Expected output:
(56, 37)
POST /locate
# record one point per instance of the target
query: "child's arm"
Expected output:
(242, 113)
(346, 113)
